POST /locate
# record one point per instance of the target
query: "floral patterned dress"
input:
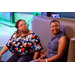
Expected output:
(27, 44)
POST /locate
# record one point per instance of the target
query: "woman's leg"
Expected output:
(34, 60)
(25, 58)
(13, 58)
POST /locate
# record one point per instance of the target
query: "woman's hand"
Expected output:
(41, 60)
(38, 59)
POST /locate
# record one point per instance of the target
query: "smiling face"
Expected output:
(55, 28)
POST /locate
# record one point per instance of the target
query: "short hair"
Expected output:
(55, 21)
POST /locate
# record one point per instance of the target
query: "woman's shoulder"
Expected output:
(32, 32)
(61, 34)
(15, 34)
(63, 38)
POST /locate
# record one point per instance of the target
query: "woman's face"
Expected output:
(22, 26)
(55, 28)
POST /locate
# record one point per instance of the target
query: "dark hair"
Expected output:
(54, 21)
(16, 25)
(18, 22)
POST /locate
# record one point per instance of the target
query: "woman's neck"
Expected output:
(25, 33)
(55, 35)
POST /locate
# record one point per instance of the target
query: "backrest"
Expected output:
(41, 26)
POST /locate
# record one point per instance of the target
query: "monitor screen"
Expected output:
(55, 15)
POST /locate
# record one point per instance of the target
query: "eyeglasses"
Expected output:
(22, 25)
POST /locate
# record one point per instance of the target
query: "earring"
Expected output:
(18, 30)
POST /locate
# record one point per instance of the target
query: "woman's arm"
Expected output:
(44, 54)
(63, 43)
(36, 55)
(3, 51)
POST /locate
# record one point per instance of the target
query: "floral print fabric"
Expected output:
(26, 44)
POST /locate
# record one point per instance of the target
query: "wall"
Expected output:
(23, 16)
(70, 15)
(6, 16)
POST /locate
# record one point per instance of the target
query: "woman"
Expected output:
(57, 46)
(24, 44)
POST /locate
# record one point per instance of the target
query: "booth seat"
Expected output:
(41, 26)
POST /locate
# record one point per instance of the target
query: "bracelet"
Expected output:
(46, 60)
